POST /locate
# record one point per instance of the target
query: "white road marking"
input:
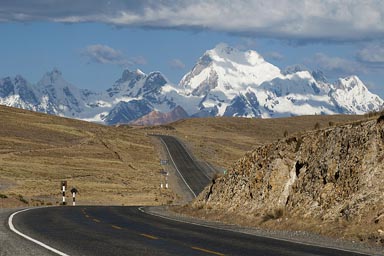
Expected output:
(176, 167)
(12, 227)
(141, 209)
(193, 159)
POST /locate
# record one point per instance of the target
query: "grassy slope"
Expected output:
(223, 140)
(108, 165)
(119, 165)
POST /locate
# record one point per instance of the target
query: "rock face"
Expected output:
(158, 118)
(329, 179)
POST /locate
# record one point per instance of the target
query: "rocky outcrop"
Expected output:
(330, 179)
(158, 118)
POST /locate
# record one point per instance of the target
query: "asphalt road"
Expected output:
(93, 230)
(194, 175)
(129, 231)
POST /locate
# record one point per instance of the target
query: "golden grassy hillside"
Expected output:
(108, 165)
(223, 140)
(119, 165)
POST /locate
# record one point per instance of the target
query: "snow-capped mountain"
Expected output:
(231, 82)
(224, 82)
(59, 97)
(136, 94)
(17, 92)
(351, 95)
(52, 95)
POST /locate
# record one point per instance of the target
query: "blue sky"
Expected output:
(93, 41)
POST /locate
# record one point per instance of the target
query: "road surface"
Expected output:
(94, 230)
(129, 231)
(195, 177)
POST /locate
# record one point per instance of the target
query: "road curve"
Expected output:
(95, 230)
(194, 176)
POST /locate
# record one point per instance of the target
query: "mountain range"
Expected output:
(224, 82)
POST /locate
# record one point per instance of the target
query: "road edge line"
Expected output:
(192, 158)
(13, 229)
(169, 153)
(141, 209)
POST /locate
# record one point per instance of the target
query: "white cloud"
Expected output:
(104, 54)
(274, 56)
(335, 65)
(372, 54)
(139, 60)
(328, 20)
(176, 64)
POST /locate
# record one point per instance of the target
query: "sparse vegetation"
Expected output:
(374, 114)
(38, 151)
(273, 215)
(317, 126)
(380, 119)
(22, 199)
(234, 136)
(2, 196)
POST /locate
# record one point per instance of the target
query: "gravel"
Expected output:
(12, 244)
(296, 236)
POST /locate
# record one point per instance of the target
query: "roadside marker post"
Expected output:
(165, 174)
(74, 192)
(63, 187)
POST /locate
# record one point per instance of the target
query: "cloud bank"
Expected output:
(329, 20)
(103, 54)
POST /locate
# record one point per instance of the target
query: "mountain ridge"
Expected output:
(224, 82)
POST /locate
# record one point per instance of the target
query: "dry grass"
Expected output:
(119, 165)
(108, 165)
(223, 140)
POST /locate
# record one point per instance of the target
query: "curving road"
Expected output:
(129, 231)
(93, 230)
(195, 177)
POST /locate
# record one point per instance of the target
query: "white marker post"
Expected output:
(165, 174)
(63, 187)
(74, 191)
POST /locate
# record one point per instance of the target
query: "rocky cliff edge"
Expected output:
(329, 181)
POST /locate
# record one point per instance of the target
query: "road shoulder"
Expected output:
(292, 236)
(12, 244)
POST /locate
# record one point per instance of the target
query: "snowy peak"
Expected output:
(224, 53)
(18, 92)
(227, 70)
(52, 77)
(128, 76)
(351, 83)
(136, 83)
(351, 94)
